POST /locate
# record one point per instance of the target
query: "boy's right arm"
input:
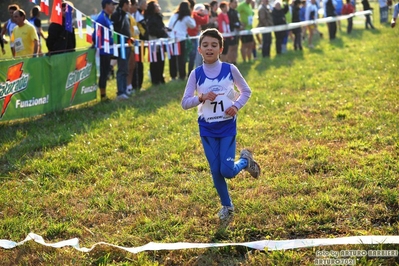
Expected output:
(190, 100)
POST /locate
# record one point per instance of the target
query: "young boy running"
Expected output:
(218, 104)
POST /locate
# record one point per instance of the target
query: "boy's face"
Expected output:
(210, 49)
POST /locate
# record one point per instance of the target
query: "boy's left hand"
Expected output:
(232, 111)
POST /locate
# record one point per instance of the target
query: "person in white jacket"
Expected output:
(178, 25)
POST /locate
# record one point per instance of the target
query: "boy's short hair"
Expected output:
(214, 33)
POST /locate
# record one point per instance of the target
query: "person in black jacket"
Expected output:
(332, 26)
(156, 30)
(59, 39)
(122, 26)
(296, 7)
(235, 26)
(366, 6)
(278, 15)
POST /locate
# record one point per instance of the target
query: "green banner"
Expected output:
(35, 86)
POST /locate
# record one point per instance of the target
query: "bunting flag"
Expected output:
(80, 23)
(150, 52)
(167, 47)
(154, 52)
(136, 51)
(122, 44)
(176, 48)
(115, 39)
(68, 18)
(56, 12)
(98, 62)
(171, 45)
(33, 1)
(45, 7)
(89, 30)
(106, 41)
(98, 36)
(142, 51)
(162, 52)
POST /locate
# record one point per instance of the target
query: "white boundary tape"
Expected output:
(291, 26)
(260, 30)
(269, 245)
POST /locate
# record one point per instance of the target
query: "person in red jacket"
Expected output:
(224, 27)
(201, 17)
(346, 10)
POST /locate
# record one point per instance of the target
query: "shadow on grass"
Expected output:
(25, 139)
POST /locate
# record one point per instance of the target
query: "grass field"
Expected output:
(322, 123)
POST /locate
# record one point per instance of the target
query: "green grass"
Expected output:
(323, 124)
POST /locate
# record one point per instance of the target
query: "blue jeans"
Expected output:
(122, 73)
(220, 153)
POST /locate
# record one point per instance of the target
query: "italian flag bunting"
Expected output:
(89, 30)
(116, 51)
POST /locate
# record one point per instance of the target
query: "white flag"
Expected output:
(79, 22)
(106, 40)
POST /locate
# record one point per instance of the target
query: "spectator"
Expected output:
(330, 12)
(224, 27)
(179, 23)
(156, 30)
(311, 14)
(353, 3)
(246, 18)
(366, 6)
(94, 14)
(201, 17)
(265, 20)
(103, 19)
(254, 52)
(24, 37)
(235, 27)
(122, 26)
(296, 8)
(338, 11)
(383, 11)
(302, 17)
(346, 10)
(213, 16)
(278, 14)
(2, 43)
(10, 24)
(36, 21)
(59, 39)
(138, 74)
(134, 32)
(395, 15)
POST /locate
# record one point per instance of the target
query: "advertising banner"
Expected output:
(35, 86)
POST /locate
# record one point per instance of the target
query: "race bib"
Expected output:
(215, 111)
(18, 45)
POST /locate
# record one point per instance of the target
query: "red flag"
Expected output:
(44, 6)
(56, 12)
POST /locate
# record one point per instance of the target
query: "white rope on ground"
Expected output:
(269, 245)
